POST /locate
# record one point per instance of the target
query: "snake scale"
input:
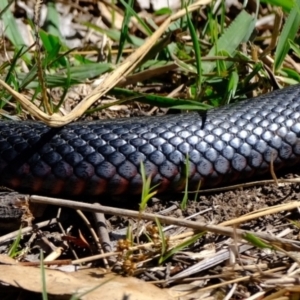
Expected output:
(226, 145)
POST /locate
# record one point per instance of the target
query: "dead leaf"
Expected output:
(5, 259)
(189, 291)
(78, 241)
(93, 283)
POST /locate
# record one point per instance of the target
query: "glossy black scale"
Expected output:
(235, 143)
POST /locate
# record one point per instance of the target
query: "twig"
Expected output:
(166, 220)
(27, 230)
(246, 185)
(103, 233)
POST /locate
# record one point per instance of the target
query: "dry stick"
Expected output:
(64, 233)
(166, 220)
(103, 234)
(94, 235)
(262, 212)
(231, 292)
(226, 274)
(27, 230)
(272, 171)
(109, 82)
(277, 295)
(61, 262)
(236, 280)
(246, 185)
(132, 248)
(90, 228)
(102, 230)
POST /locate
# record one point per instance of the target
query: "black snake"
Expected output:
(223, 146)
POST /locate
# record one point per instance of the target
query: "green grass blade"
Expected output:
(223, 17)
(115, 34)
(51, 80)
(183, 203)
(238, 32)
(124, 30)
(290, 73)
(287, 5)
(133, 13)
(213, 29)
(77, 74)
(13, 249)
(162, 236)
(197, 191)
(147, 191)
(180, 247)
(52, 45)
(162, 101)
(156, 49)
(187, 67)
(52, 21)
(256, 68)
(10, 25)
(65, 88)
(104, 106)
(288, 33)
(231, 87)
(295, 47)
(255, 241)
(163, 11)
(6, 7)
(197, 49)
(13, 64)
(83, 72)
(43, 271)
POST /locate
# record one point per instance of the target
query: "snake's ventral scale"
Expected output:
(229, 144)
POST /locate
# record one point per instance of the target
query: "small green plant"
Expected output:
(163, 239)
(186, 173)
(124, 30)
(179, 247)
(147, 191)
(257, 242)
(43, 276)
(196, 46)
(10, 25)
(13, 250)
(288, 34)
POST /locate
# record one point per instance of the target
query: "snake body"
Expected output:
(225, 145)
